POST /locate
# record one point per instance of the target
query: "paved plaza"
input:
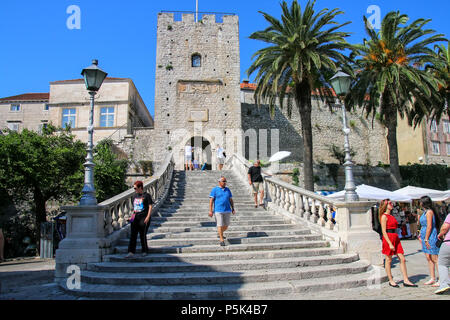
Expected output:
(32, 279)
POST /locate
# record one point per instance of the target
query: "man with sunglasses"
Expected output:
(221, 198)
(140, 221)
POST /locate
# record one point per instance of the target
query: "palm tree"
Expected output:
(438, 106)
(389, 79)
(301, 55)
(442, 72)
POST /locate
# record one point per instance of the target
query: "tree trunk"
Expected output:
(41, 214)
(391, 125)
(303, 100)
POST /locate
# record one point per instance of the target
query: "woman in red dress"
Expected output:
(391, 243)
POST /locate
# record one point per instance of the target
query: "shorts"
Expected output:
(221, 160)
(188, 157)
(257, 186)
(222, 218)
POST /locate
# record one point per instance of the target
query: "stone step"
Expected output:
(214, 247)
(224, 255)
(236, 234)
(213, 277)
(212, 223)
(244, 291)
(201, 217)
(205, 206)
(230, 241)
(220, 266)
(230, 291)
(168, 213)
(211, 228)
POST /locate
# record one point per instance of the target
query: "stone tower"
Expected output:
(197, 85)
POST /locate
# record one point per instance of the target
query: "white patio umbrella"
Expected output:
(279, 156)
(417, 193)
(366, 192)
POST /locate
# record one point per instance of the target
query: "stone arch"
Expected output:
(204, 142)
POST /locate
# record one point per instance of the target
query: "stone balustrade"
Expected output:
(119, 209)
(353, 229)
(92, 231)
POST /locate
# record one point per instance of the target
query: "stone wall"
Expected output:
(190, 101)
(32, 115)
(369, 143)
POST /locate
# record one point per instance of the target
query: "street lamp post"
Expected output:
(93, 78)
(341, 85)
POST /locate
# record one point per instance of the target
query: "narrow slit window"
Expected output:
(196, 61)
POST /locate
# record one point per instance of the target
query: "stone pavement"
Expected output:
(32, 279)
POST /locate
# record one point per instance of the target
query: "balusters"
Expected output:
(108, 221)
(287, 203)
(292, 202)
(282, 203)
(278, 195)
(300, 206)
(313, 216)
(321, 221)
(307, 208)
(115, 218)
(329, 225)
(121, 221)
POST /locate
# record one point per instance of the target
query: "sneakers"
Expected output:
(129, 255)
(441, 291)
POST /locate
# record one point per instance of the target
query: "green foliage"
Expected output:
(303, 50)
(339, 153)
(262, 163)
(391, 80)
(15, 230)
(426, 176)
(36, 168)
(147, 166)
(109, 171)
(295, 175)
(333, 169)
(41, 164)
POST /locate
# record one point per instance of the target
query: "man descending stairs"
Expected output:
(265, 256)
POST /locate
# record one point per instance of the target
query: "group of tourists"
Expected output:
(434, 233)
(195, 158)
(434, 238)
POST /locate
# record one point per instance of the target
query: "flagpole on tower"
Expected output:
(196, 10)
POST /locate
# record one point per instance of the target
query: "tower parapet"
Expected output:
(203, 17)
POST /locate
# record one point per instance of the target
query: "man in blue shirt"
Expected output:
(222, 200)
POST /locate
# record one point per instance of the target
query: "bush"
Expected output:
(295, 175)
(432, 176)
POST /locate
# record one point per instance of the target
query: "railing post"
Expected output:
(355, 230)
(85, 240)
(321, 220)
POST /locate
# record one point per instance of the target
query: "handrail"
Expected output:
(285, 197)
(118, 130)
(118, 209)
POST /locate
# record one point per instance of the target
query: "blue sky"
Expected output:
(37, 47)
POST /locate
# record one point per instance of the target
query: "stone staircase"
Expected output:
(265, 256)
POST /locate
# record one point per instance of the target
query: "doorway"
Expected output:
(201, 153)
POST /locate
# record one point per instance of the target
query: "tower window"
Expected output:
(196, 60)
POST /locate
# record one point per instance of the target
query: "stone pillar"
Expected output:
(355, 231)
(85, 240)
